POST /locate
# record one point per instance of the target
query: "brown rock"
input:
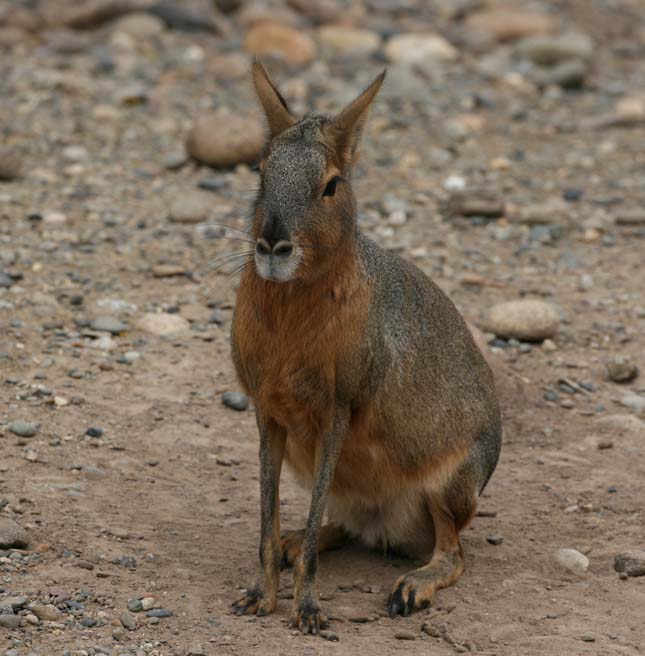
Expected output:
(10, 37)
(482, 202)
(45, 612)
(163, 324)
(280, 40)
(21, 18)
(192, 207)
(167, 270)
(85, 14)
(631, 562)
(12, 535)
(140, 25)
(531, 320)
(347, 41)
(508, 24)
(225, 141)
(621, 370)
(413, 48)
(10, 164)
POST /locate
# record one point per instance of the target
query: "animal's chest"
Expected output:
(298, 392)
(290, 372)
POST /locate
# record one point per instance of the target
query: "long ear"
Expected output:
(274, 105)
(347, 127)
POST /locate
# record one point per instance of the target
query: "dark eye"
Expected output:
(330, 188)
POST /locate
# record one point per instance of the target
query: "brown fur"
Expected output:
(365, 378)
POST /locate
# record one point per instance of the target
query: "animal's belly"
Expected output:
(366, 471)
(370, 498)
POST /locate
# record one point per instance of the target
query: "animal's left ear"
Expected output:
(346, 129)
(274, 105)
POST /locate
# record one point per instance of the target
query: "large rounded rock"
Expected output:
(225, 141)
(551, 50)
(190, 207)
(413, 48)
(270, 39)
(631, 562)
(10, 621)
(45, 612)
(23, 428)
(572, 560)
(529, 320)
(11, 164)
(506, 24)
(348, 41)
(12, 536)
(621, 369)
(163, 324)
(140, 25)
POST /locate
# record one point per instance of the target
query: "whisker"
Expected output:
(236, 238)
(216, 224)
(223, 259)
(223, 286)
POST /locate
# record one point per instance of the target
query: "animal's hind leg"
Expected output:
(451, 511)
(331, 537)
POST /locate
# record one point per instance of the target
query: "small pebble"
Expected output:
(9, 622)
(108, 325)
(359, 619)
(23, 428)
(495, 539)
(159, 613)
(621, 370)
(235, 400)
(329, 635)
(128, 621)
(147, 603)
(631, 563)
(135, 605)
(405, 635)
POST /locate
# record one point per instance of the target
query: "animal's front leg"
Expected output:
(306, 612)
(261, 599)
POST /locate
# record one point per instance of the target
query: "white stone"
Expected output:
(414, 48)
(572, 560)
(163, 324)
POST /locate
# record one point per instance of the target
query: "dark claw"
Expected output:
(398, 605)
(308, 619)
(410, 605)
(395, 604)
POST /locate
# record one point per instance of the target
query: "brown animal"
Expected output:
(365, 377)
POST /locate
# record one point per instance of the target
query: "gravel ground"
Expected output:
(504, 157)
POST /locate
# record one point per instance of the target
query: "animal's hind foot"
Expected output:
(415, 590)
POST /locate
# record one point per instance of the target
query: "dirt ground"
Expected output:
(164, 503)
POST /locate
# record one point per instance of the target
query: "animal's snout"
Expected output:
(278, 248)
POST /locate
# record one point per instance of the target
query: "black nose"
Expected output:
(282, 248)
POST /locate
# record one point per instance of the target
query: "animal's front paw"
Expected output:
(253, 602)
(307, 618)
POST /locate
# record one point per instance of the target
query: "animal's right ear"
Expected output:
(274, 105)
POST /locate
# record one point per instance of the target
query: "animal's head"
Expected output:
(305, 209)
